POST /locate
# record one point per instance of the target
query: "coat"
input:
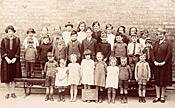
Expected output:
(97, 36)
(162, 52)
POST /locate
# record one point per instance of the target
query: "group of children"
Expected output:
(90, 57)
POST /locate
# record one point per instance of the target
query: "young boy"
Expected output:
(125, 75)
(104, 47)
(134, 50)
(74, 46)
(110, 36)
(89, 43)
(119, 48)
(142, 75)
(66, 34)
(50, 70)
(30, 55)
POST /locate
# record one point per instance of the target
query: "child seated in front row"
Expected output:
(125, 75)
(74, 77)
(61, 80)
(142, 75)
(112, 79)
(50, 70)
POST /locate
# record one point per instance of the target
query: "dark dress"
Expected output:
(105, 48)
(97, 36)
(163, 52)
(10, 71)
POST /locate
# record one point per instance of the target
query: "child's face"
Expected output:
(88, 57)
(30, 43)
(134, 39)
(89, 33)
(113, 63)
(142, 57)
(133, 31)
(96, 27)
(118, 38)
(44, 31)
(99, 57)
(51, 58)
(82, 27)
(46, 40)
(161, 36)
(103, 37)
(57, 29)
(73, 59)
(123, 62)
(74, 37)
(121, 30)
(69, 28)
(62, 63)
(30, 34)
(145, 35)
(109, 30)
(10, 32)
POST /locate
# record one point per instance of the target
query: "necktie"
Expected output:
(134, 48)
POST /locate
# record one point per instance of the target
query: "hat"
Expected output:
(87, 52)
(10, 27)
(69, 24)
(30, 30)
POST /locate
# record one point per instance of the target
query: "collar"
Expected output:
(142, 61)
(162, 41)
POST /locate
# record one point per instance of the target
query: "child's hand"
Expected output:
(147, 79)
(105, 59)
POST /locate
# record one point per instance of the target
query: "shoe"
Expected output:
(162, 100)
(113, 101)
(13, 95)
(100, 100)
(156, 100)
(143, 100)
(59, 98)
(113, 97)
(125, 99)
(63, 98)
(7, 96)
(51, 98)
(46, 98)
(88, 101)
(96, 101)
(109, 98)
(140, 99)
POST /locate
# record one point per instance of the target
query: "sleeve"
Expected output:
(114, 47)
(82, 48)
(98, 47)
(95, 46)
(130, 72)
(25, 43)
(3, 49)
(109, 51)
(169, 52)
(17, 55)
(136, 71)
(37, 43)
(149, 72)
(128, 51)
(152, 53)
(45, 68)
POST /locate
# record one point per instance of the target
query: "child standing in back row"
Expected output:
(66, 34)
(142, 75)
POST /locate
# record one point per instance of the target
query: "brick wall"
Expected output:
(143, 14)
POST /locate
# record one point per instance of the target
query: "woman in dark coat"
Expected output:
(10, 65)
(162, 58)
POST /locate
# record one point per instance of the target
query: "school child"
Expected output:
(74, 46)
(134, 50)
(119, 48)
(74, 77)
(125, 74)
(112, 79)
(96, 31)
(61, 80)
(44, 33)
(121, 30)
(87, 69)
(89, 43)
(81, 29)
(132, 31)
(148, 50)
(43, 49)
(30, 55)
(142, 75)
(50, 71)
(143, 36)
(31, 34)
(57, 33)
(110, 36)
(100, 76)
(59, 49)
(66, 34)
(104, 47)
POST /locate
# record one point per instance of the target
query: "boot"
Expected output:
(59, 97)
(47, 97)
(143, 100)
(109, 98)
(101, 97)
(126, 98)
(140, 99)
(113, 98)
(63, 96)
(122, 100)
(51, 98)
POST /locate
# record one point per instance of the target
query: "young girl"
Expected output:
(87, 69)
(57, 33)
(142, 75)
(112, 79)
(100, 75)
(59, 49)
(81, 31)
(44, 33)
(61, 80)
(110, 36)
(74, 77)
(143, 36)
(66, 34)
(96, 31)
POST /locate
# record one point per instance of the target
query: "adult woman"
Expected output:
(10, 65)
(162, 58)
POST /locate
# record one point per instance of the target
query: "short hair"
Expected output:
(73, 32)
(95, 22)
(10, 27)
(143, 32)
(81, 22)
(112, 58)
(123, 58)
(87, 52)
(123, 28)
(109, 25)
(100, 54)
(49, 54)
(31, 30)
(88, 28)
(69, 24)
(103, 32)
(73, 55)
(132, 28)
(161, 31)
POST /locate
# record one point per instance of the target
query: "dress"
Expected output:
(87, 69)
(10, 71)
(100, 73)
(74, 74)
(62, 72)
(112, 77)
